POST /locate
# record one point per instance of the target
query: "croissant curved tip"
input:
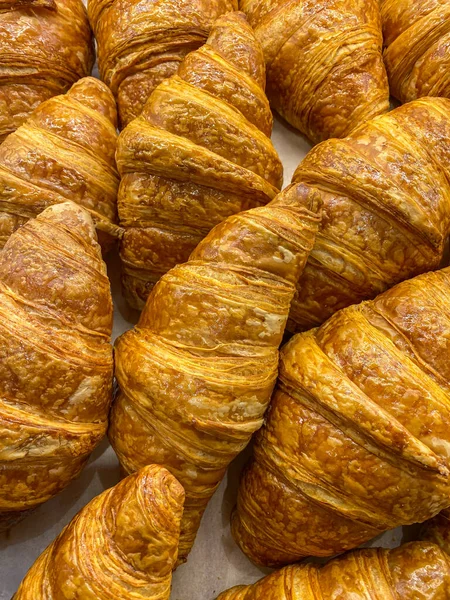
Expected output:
(73, 217)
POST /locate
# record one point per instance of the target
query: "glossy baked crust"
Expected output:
(385, 192)
(357, 437)
(64, 151)
(121, 546)
(417, 47)
(325, 71)
(411, 572)
(46, 45)
(197, 372)
(141, 43)
(55, 356)
(199, 153)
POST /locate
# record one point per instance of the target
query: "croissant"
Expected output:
(412, 571)
(46, 46)
(417, 53)
(55, 356)
(199, 153)
(64, 151)
(121, 546)
(325, 71)
(357, 437)
(386, 217)
(141, 44)
(197, 372)
(437, 530)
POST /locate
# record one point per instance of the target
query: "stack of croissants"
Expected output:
(313, 320)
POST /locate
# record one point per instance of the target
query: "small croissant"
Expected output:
(417, 53)
(142, 43)
(56, 364)
(386, 196)
(197, 372)
(121, 546)
(357, 438)
(325, 71)
(199, 153)
(414, 571)
(64, 151)
(46, 45)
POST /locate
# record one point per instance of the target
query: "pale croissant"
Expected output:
(142, 43)
(199, 153)
(386, 196)
(64, 151)
(197, 372)
(121, 546)
(417, 54)
(414, 571)
(357, 439)
(325, 70)
(56, 362)
(46, 45)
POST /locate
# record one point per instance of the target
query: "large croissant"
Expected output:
(386, 208)
(414, 571)
(142, 43)
(357, 439)
(64, 151)
(325, 71)
(197, 372)
(121, 546)
(417, 54)
(199, 153)
(55, 356)
(46, 45)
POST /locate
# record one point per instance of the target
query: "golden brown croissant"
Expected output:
(386, 198)
(46, 45)
(121, 546)
(199, 153)
(417, 54)
(414, 571)
(55, 356)
(325, 71)
(142, 43)
(197, 372)
(357, 439)
(64, 151)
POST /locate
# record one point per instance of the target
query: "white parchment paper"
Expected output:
(216, 563)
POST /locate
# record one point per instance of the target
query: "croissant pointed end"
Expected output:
(72, 217)
(94, 94)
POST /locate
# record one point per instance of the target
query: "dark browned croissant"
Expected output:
(55, 356)
(357, 439)
(197, 372)
(64, 151)
(325, 70)
(199, 153)
(417, 54)
(415, 571)
(386, 217)
(121, 546)
(46, 45)
(142, 43)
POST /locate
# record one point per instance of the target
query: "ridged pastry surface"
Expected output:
(199, 152)
(46, 45)
(197, 372)
(56, 362)
(417, 47)
(357, 438)
(64, 151)
(141, 43)
(325, 70)
(386, 197)
(121, 546)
